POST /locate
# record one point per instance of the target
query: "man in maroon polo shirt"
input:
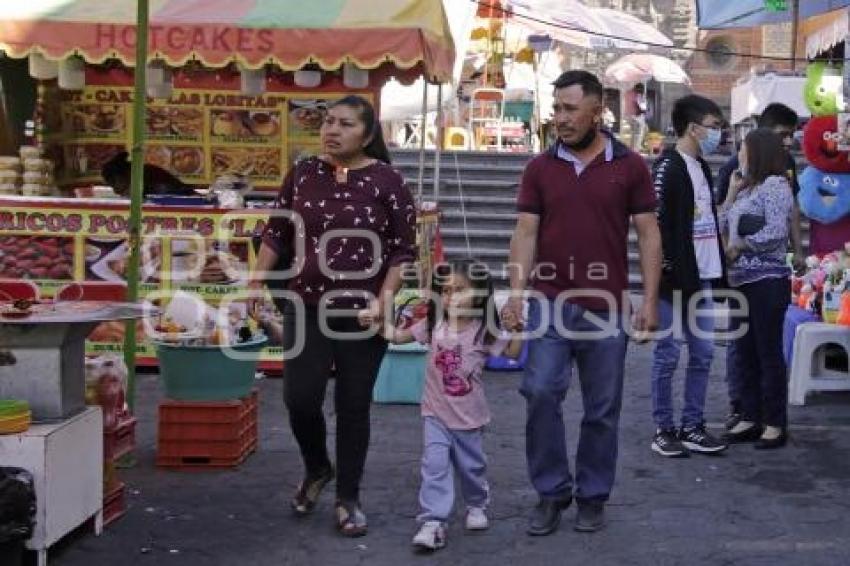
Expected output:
(574, 205)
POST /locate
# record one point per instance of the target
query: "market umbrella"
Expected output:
(574, 23)
(720, 14)
(642, 67)
(411, 34)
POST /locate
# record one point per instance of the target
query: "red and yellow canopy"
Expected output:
(288, 33)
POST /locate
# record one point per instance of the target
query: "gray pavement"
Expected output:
(786, 507)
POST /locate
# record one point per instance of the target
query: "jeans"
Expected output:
(674, 321)
(760, 364)
(305, 380)
(447, 449)
(600, 363)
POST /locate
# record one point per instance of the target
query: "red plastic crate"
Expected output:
(114, 504)
(121, 441)
(198, 462)
(206, 412)
(213, 449)
(206, 434)
(191, 422)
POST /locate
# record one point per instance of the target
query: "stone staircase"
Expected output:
(483, 188)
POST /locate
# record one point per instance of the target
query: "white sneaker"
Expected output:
(476, 519)
(431, 536)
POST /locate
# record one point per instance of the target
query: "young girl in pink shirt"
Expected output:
(461, 330)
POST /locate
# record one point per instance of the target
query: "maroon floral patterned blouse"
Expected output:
(374, 199)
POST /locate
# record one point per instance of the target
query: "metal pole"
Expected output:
(439, 145)
(538, 122)
(136, 191)
(795, 30)
(422, 127)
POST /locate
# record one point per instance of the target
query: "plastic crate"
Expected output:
(401, 375)
(200, 462)
(207, 412)
(114, 504)
(196, 435)
(120, 441)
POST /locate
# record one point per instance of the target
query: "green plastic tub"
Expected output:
(206, 373)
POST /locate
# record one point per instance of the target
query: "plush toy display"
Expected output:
(820, 144)
(823, 90)
(824, 197)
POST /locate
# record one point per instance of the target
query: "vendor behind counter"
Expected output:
(157, 181)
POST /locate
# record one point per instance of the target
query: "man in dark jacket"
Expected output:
(692, 264)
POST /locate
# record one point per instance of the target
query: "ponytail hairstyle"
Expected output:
(478, 276)
(376, 148)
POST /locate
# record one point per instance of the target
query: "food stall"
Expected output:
(230, 90)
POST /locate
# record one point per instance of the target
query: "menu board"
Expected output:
(206, 252)
(198, 135)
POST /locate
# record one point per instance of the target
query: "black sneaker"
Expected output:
(667, 443)
(697, 439)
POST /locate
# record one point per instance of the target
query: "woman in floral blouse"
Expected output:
(355, 218)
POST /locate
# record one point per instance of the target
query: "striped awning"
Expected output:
(288, 33)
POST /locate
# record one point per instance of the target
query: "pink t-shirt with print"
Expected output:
(454, 392)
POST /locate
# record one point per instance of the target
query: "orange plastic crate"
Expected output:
(206, 434)
(206, 412)
(114, 504)
(213, 449)
(200, 462)
(121, 441)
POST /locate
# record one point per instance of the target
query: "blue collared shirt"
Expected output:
(570, 157)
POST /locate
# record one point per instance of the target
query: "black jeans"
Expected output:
(760, 366)
(305, 380)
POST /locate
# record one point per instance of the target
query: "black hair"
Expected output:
(693, 109)
(117, 169)
(377, 147)
(589, 83)
(777, 114)
(483, 301)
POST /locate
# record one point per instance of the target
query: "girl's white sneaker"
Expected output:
(476, 519)
(431, 536)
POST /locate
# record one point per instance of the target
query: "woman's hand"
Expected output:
(371, 316)
(255, 286)
(733, 252)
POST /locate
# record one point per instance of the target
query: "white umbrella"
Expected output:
(641, 67)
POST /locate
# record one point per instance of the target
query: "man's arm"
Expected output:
(523, 251)
(649, 243)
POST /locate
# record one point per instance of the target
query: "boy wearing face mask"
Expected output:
(693, 264)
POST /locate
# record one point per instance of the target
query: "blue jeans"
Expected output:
(600, 363)
(675, 323)
(446, 450)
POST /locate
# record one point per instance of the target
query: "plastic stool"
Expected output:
(808, 371)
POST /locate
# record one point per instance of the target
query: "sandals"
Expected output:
(350, 519)
(308, 492)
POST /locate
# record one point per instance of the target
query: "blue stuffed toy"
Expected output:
(824, 197)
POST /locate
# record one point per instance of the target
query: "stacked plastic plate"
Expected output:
(15, 416)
